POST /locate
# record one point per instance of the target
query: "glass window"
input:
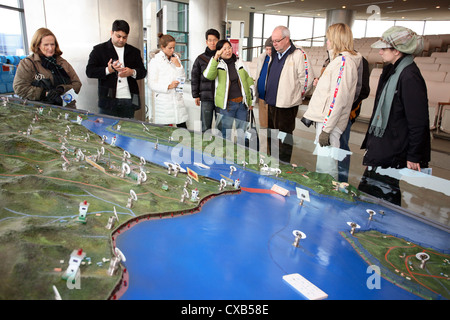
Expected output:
(271, 22)
(257, 25)
(10, 3)
(416, 26)
(375, 28)
(359, 29)
(11, 35)
(176, 16)
(436, 27)
(320, 25)
(301, 29)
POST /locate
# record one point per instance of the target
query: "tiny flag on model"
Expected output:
(192, 174)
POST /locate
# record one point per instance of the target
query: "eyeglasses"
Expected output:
(278, 41)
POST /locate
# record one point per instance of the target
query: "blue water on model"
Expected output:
(240, 246)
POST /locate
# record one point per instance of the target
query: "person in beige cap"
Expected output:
(261, 76)
(399, 134)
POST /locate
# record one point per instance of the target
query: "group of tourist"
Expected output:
(398, 135)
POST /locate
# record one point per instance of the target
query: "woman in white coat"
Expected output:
(166, 77)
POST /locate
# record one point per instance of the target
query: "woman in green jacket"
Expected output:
(233, 88)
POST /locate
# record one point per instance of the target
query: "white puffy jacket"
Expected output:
(169, 104)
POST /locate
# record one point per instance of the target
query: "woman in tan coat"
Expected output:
(45, 75)
(333, 97)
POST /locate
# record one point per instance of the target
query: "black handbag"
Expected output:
(251, 136)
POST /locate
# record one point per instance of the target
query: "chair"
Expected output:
(444, 119)
(435, 43)
(442, 60)
(438, 93)
(424, 59)
(440, 55)
(433, 75)
(447, 77)
(428, 66)
(445, 67)
(374, 58)
(368, 104)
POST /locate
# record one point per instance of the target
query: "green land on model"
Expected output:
(223, 152)
(40, 197)
(39, 211)
(399, 257)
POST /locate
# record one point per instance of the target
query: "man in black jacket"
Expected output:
(202, 88)
(117, 66)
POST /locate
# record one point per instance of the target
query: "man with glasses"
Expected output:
(288, 80)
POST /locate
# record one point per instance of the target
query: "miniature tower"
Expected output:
(371, 214)
(184, 195)
(277, 172)
(423, 257)
(130, 203)
(74, 264)
(133, 198)
(194, 195)
(83, 212)
(353, 226)
(223, 184)
(298, 236)
(111, 221)
(115, 261)
(237, 184)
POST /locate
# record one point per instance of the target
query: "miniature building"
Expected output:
(194, 195)
(74, 264)
(83, 212)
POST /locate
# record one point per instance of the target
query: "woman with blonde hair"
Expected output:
(44, 75)
(165, 77)
(331, 103)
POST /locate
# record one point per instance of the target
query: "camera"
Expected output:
(306, 122)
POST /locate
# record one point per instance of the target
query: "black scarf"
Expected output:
(209, 52)
(60, 76)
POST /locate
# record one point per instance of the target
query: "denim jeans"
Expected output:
(208, 110)
(234, 111)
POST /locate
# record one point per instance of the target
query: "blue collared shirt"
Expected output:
(280, 55)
